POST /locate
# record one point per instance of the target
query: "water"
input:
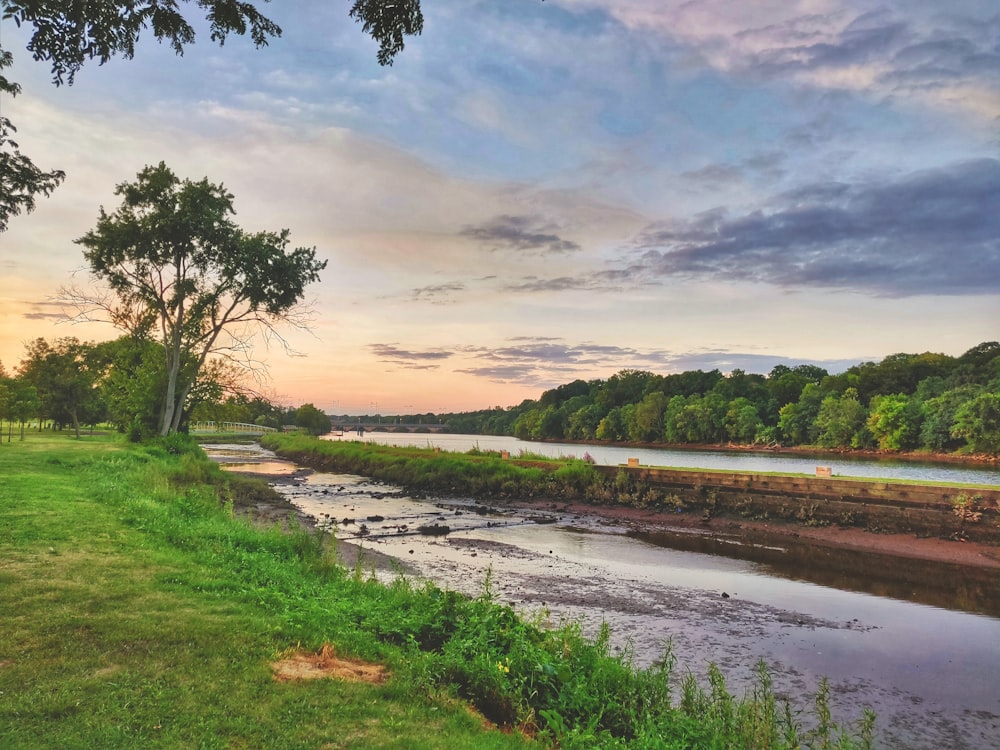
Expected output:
(610, 455)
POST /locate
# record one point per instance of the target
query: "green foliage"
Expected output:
(612, 426)
(312, 420)
(65, 376)
(797, 421)
(841, 421)
(977, 421)
(742, 420)
(646, 426)
(939, 417)
(894, 421)
(800, 405)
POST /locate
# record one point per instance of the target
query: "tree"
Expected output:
(5, 396)
(135, 376)
(797, 420)
(894, 420)
(841, 421)
(611, 427)
(67, 35)
(583, 422)
(312, 420)
(742, 421)
(65, 376)
(978, 421)
(647, 425)
(22, 404)
(175, 264)
(701, 420)
(939, 417)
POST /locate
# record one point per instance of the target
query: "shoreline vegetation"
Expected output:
(142, 609)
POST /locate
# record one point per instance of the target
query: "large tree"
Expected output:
(178, 269)
(68, 34)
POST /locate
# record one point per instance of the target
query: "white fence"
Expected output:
(230, 428)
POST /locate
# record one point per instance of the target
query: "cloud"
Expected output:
(45, 311)
(546, 362)
(411, 360)
(908, 51)
(437, 293)
(543, 362)
(535, 285)
(713, 176)
(521, 233)
(935, 231)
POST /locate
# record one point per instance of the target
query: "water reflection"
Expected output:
(938, 584)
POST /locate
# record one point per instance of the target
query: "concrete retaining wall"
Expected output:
(925, 510)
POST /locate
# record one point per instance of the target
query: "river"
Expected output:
(611, 455)
(916, 642)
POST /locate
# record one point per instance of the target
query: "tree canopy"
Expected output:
(928, 401)
(179, 270)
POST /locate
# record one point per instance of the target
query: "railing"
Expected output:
(230, 428)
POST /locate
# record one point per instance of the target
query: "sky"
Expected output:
(537, 192)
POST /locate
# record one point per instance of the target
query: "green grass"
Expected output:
(136, 611)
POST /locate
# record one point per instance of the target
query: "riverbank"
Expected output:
(808, 451)
(750, 532)
(791, 604)
(274, 508)
(903, 520)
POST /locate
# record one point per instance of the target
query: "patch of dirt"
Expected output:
(325, 664)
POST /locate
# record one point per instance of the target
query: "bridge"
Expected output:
(229, 428)
(346, 425)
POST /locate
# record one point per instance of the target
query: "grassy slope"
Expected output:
(127, 620)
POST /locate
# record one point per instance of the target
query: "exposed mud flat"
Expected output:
(930, 672)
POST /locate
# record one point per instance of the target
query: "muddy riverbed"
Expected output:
(914, 638)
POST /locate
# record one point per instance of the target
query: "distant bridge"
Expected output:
(340, 424)
(230, 428)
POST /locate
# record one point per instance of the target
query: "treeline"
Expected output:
(70, 383)
(931, 402)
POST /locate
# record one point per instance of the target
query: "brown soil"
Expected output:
(327, 665)
(898, 545)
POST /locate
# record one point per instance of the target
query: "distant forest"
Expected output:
(905, 402)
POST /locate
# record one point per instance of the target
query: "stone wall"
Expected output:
(924, 510)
